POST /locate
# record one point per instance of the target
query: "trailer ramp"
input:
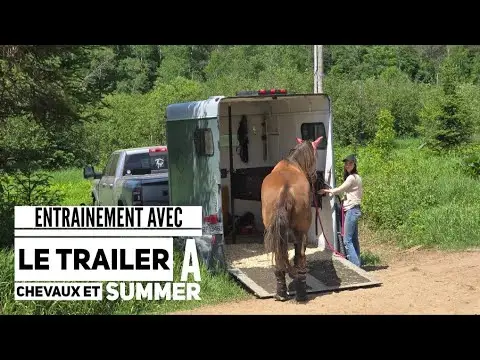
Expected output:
(251, 265)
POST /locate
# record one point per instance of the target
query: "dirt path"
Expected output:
(415, 282)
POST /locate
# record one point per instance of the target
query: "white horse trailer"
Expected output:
(220, 150)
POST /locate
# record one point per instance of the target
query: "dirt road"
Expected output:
(415, 282)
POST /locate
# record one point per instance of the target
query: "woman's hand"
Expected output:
(323, 191)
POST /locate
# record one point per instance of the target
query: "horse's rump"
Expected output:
(285, 211)
(277, 220)
(299, 192)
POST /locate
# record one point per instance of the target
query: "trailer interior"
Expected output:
(244, 137)
(255, 134)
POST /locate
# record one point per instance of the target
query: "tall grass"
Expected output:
(75, 188)
(425, 199)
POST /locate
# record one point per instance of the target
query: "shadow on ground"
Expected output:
(374, 267)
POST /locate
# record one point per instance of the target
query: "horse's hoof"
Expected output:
(281, 297)
(300, 290)
(301, 298)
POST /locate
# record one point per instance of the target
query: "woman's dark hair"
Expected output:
(346, 173)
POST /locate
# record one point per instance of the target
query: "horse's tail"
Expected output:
(276, 235)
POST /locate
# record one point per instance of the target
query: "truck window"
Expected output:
(311, 131)
(111, 165)
(145, 163)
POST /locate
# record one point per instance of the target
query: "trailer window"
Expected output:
(204, 142)
(312, 131)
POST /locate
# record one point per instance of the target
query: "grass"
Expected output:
(75, 188)
(419, 198)
(214, 288)
(369, 258)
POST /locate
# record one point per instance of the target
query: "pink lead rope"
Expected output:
(318, 217)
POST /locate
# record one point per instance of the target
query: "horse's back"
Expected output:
(285, 175)
(281, 176)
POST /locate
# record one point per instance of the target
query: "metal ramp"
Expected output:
(251, 265)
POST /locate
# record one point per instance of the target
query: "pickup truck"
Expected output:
(132, 177)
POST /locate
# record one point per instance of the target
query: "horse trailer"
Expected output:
(221, 149)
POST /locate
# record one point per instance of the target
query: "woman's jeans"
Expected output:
(350, 239)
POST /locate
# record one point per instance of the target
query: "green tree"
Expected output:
(44, 87)
(449, 127)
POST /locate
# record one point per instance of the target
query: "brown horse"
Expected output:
(286, 212)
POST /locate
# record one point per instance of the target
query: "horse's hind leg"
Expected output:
(281, 294)
(297, 236)
(301, 267)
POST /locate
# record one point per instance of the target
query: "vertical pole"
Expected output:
(315, 69)
(318, 68)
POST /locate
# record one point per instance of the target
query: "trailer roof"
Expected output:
(194, 109)
(204, 109)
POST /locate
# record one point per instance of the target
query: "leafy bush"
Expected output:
(384, 141)
(471, 165)
(469, 104)
(356, 105)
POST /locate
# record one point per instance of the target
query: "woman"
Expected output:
(353, 189)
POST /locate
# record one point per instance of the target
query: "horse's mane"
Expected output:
(303, 155)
